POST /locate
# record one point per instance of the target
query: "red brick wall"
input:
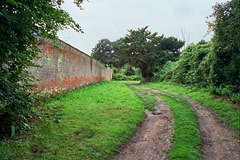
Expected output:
(66, 68)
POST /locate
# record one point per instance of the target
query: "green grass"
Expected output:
(186, 137)
(150, 100)
(88, 123)
(227, 111)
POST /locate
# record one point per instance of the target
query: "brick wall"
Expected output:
(66, 68)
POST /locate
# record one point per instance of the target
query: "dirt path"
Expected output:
(219, 142)
(152, 139)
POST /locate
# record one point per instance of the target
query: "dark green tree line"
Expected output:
(141, 49)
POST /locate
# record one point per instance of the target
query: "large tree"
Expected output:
(105, 52)
(163, 49)
(22, 21)
(133, 49)
(147, 51)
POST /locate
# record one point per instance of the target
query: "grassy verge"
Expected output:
(227, 111)
(88, 123)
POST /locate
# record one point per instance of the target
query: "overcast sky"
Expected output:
(112, 18)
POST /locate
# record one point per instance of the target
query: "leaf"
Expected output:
(13, 129)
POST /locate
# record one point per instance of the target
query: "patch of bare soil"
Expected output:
(152, 140)
(219, 142)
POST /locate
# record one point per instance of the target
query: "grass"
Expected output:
(227, 111)
(186, 138)
(150, 100)
(88, 123)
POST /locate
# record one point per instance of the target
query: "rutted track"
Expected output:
(219, 142)
(152, 140)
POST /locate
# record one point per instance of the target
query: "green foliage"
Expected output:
(193, 65)
(214, 65)
(166, 72)
(147, 51)
(132, 49)
(191, 68)
(105, 52)
(225, 69)
(127, 72)
(94, 122)
(22, 22)
(231, 91)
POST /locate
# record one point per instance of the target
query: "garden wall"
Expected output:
(66, 68)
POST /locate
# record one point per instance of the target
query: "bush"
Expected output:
(119, 76)
(166, 72)
(127, 72)
(195, 67)
(231, 91)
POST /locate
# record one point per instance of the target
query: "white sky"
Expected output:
(112, 18)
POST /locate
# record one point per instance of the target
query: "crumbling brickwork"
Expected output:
(66, 68)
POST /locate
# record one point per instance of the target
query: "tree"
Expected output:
(105, 52)
(164, 49)
(147, 51)
(225, 69)
(22, 21)
(133, 49)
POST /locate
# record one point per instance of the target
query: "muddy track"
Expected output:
(152, 140)
(219, 142)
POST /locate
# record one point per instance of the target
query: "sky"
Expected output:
(111, 19)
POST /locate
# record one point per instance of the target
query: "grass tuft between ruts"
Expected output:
(186, 137)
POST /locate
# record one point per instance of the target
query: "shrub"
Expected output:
(127, 72)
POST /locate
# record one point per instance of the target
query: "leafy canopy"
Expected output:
(147, 51)
(105, 52)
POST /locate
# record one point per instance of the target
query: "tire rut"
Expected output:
(153, 138)
(219, 142)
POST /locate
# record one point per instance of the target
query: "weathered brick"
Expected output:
(66, 68)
